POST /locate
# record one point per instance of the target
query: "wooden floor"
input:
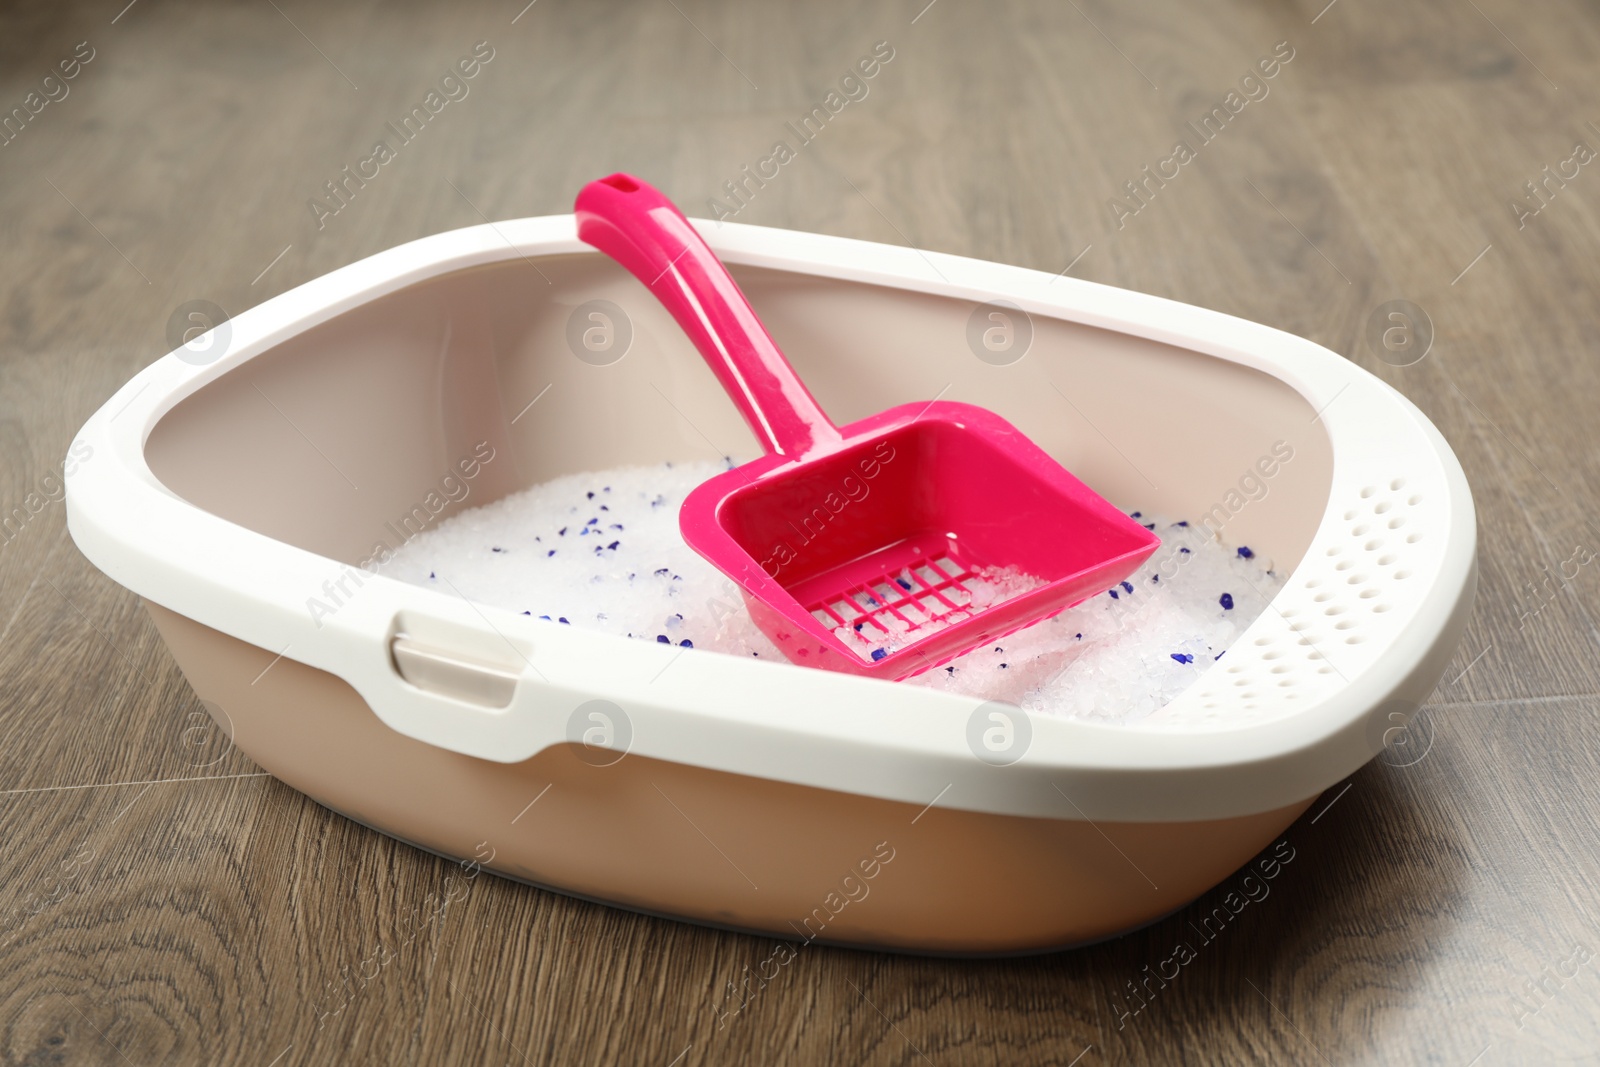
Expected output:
(166, 903)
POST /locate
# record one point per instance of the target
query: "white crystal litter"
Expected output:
(602, 551)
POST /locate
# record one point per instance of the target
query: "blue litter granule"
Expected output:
(615, 526)
(1184, 523)
(1155, 579)
(496, 548)
(1136, 515)
(1002, 666)
(1079, 636)
(950, 670)
(663, 639)
(1184, 551)
(561, 532)
(1226, 600)
(662, 570)
(686, 643)
(1113, 593)
(591, 522)
(613, 545)
(858, 627)
(432, 576)
(878, 654)
(527, 613)
(1149, 526)
(562, 619)
(1127, 587)
(902, 583)
(1183, 657)
(1245, 553)
(591, 496)
(550, 553)
(546, 618)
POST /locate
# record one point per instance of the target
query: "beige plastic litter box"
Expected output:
(241, 495)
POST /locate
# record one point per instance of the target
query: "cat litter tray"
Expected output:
(240, 497)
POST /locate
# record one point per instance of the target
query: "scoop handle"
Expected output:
(633, 223)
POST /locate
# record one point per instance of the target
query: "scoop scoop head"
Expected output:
(930, 530)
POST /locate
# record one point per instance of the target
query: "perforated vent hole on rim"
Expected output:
(1381, 533)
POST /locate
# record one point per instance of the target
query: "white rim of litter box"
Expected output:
(822, 729)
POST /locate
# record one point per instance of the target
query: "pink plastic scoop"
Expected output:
(886, 547)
